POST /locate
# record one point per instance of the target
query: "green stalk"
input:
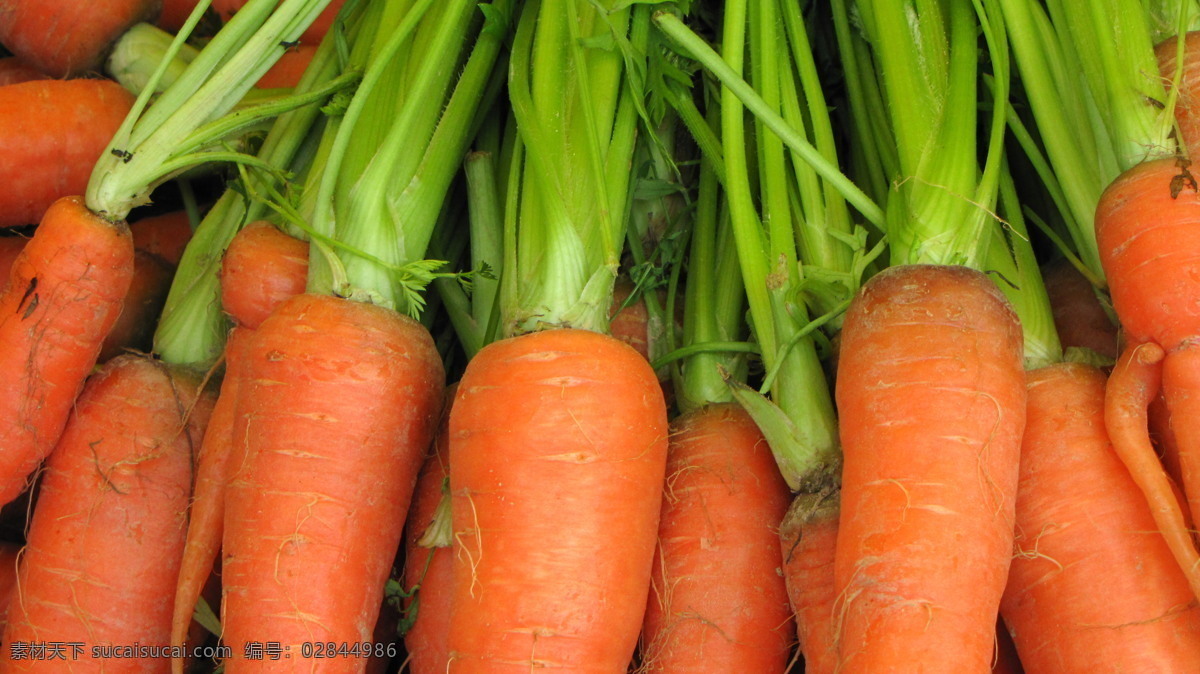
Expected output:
(577, 125)
(192, 328)
(163, 141)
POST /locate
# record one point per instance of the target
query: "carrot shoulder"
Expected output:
(931, 398)
(107, 533)
(336, 408)
(1082, 524)
(717, 601)
(558, 443)
(261, 268)
(63, 295)
(51, 134)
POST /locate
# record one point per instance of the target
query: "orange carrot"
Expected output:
(321, 25)
(287, 70)
(51, 133)
(1147, 231)
(262, 267)
(205, 517)
(1082, 524)
(808, 537)
(164, 235)
(63, 39)
(1079, 317)
(14, 70)
(107, 533)
(63, 295)
(558, 446)
(931, 399)
(717, 601)
(428, 561)
(174, 13)
(335, 410)
(144, 301)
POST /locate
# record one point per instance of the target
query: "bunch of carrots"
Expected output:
(602, 336)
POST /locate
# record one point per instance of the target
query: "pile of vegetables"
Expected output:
(601, 336)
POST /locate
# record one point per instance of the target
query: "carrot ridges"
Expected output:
(558, 446)
(931, 399)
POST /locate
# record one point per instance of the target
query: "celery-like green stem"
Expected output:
(192, 328)
(149, 148)
(577, 125)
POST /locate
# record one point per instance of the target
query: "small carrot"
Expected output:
(207, 511)
(717, 601)
(261, 268)
(14, 70)
(164, 235)
(428, 563)
(63, 296)
(1144, 223)
(174, 13)
(808, 537)
(1082, 524)
(931, 400)
(70, 121)
(62, 39)
(558, 446)
(289, 68)
(1079, 317)
(143, 303)
(336, 408)
(107, 533)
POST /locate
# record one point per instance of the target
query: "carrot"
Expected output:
(1144, 222)
(808, 537)
(1187, 114)
(931, 399)
(262, 267)
(164, 235)
(1082, 524)
(1079, 317)
(558, 448)
(107, 534)
(64, 293)
(69, 121)
(428, 561)
(14, 70)
(1133, 384)
(287, 70)
(63, 39)
(207, 511)
(134, 328)
(717, 601)
(174, 13)
(335, 409)
(321, 25)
